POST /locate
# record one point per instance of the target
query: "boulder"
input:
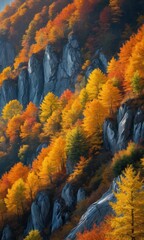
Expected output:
(96, 213)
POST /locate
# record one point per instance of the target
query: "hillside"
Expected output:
(72, 120)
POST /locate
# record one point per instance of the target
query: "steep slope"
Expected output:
(71, 120)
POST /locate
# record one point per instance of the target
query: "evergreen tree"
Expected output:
(128, 222)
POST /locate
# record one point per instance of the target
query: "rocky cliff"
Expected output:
(128, 126)
(7, 53)
(46, 73)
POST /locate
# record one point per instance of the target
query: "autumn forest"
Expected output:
(85, 138)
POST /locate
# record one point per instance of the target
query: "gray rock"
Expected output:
(81, 195)
(57, 218)
(50, 65)
(69, 67)
(23, 88)
(99, 61)
(36, 79)
(125, 130)
(8, 92)
(128, 126)
(95, 213)
(40, 210)
(68, 195)
(7, 233)
(138, 131)
(7, 54)
(110, 136)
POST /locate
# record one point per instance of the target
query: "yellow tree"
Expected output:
(49, 104)
(94, 116)
(57, 153)
(33, 235)
(71, 114)
(48, 169)
(52, 125)
(32, 185)
(11, 109)
(83, 97)
(95, 82)
(110, 97)
(128, 222)
(13, 128)
(15, 199)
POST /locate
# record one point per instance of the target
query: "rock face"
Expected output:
(68, 195)
(7, 234)
(7, 54)
(129, 126)
(44, 74)
(95, 213)
(23, 88)
(8, 92)
(81, 195)
(69, 66)
(50, 65)
(99, 61)
(36, 80)
(40, 210)
(57, 218)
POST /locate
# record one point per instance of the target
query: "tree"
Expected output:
(71, 114)
(94, 116)
(95, 82)
(13, 127)
(32, 185)
(137, 83)
(11, 109)
(52, 125)
(83, 97)
(30, 112)
(33, 235)
(49, 104)
(18, 171)
(15, 199)
(30, 130)
(76, 145)
(128, 222)
(110, 97)
(96, 233)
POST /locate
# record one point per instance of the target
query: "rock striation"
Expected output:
(96, 212)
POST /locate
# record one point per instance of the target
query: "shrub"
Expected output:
(130, 156)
